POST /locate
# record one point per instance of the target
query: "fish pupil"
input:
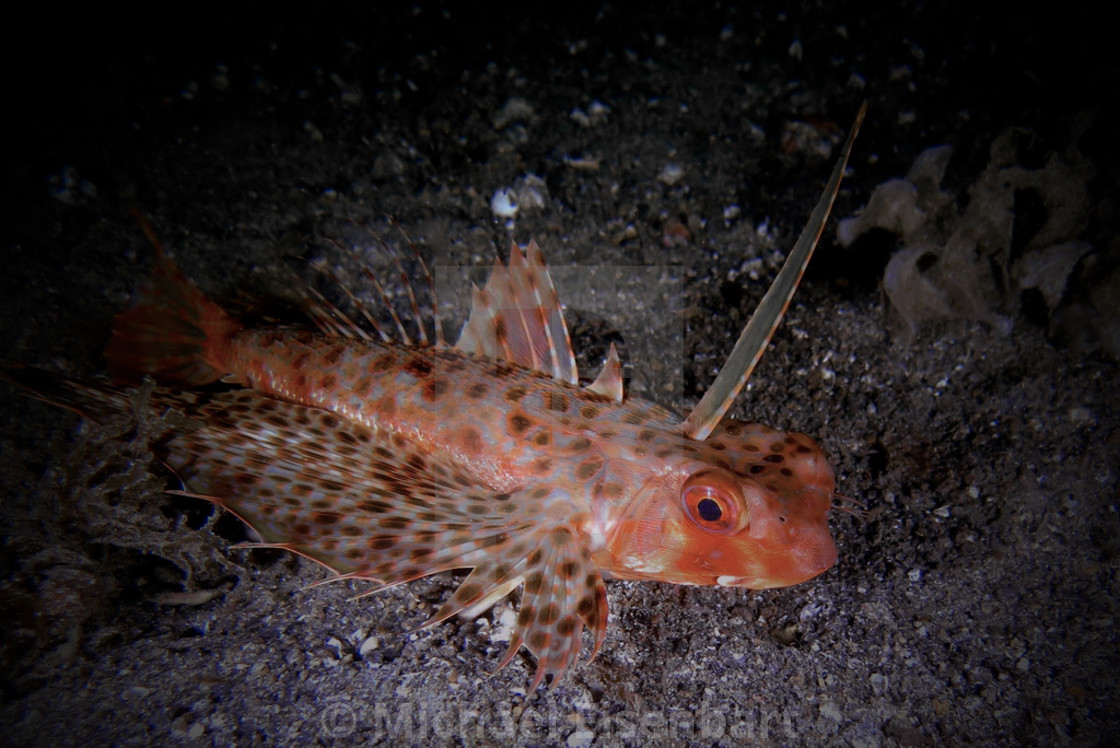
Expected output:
(709, 510)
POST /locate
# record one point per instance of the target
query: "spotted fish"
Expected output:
(388, 461)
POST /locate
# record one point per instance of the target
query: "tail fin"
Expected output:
(169, 330)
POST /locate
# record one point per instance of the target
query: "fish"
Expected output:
(387, 459)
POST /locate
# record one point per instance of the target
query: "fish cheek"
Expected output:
(645, 541)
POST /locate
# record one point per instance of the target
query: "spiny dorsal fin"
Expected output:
(609, 381)
(333, 321)
(756, 335)
(517, 318)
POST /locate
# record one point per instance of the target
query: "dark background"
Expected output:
(977, 602)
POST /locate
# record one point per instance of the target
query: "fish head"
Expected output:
(746, 508)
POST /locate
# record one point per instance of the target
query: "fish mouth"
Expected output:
(809, 563)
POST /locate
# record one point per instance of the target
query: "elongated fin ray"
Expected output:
(756, 335)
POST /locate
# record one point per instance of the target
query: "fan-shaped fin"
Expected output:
(517, 318)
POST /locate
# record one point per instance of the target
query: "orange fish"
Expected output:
(388, 461)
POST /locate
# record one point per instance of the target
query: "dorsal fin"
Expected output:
(756, 335)
(517, 318)
(609, 381)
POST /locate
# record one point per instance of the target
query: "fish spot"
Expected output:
(518, 423)
(525, 615)
(468, 592)
(568, 569)
(548, 614)
(452, 364)
(787, 472)
(533, 583)
(418, 366)
(436, 388)
(300, 360)
(477, 391)
(326, 518)
(582, 444)
(543, 439)
(647, 435)
(382, 542)
(538, 640)
(566, 626)
(733, 429)
(515, 394)
(351, 531)
(393, 523)
(557, 401)
(756, 469)
(589, 468)
(363, 386)
(803, 450)
(777, 447)
(328, 382)
(585, 606)
(542, 465)
(776, 459)
(331, 357)
(633, 418)
(490, 541)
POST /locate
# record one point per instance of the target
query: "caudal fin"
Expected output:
(171, 331)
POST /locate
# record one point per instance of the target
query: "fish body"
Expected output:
(387, 461)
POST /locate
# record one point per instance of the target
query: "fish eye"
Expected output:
(709, 510)
(712, 500)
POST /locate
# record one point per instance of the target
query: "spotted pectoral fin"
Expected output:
(563, 592)
(373, 507)
(368, 508)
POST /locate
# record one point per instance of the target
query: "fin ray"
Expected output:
(756, 335)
